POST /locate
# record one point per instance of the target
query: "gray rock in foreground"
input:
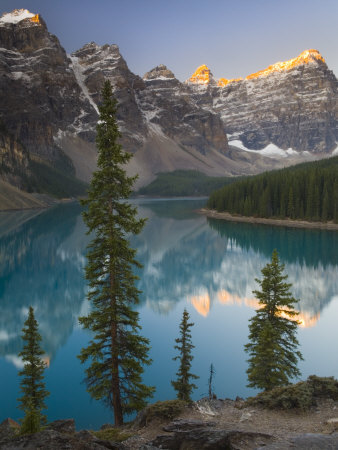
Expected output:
(58, 435)
(308, 441)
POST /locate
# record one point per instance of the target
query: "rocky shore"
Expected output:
(206, 424)
(261, 220)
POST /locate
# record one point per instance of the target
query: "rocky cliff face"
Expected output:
(14, 159)
(49, 102)
(40, 96)
(292, 105)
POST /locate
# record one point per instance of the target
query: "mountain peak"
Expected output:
(306, 57)
(18, 15)
(159, 72)
(202, 75)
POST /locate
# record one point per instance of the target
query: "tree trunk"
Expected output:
(115, 381)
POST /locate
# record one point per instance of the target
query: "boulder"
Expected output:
(63, 426)
(187, 424)
(8, 429)
(206, 438)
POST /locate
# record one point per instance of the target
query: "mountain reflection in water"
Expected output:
(207, 261)
(186, 257)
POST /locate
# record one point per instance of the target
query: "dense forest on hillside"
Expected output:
(307, 191)
(184, 183)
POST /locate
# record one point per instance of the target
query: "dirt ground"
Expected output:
(232, 415)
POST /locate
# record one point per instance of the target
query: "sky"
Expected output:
(232, 37)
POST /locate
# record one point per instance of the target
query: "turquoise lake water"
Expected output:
(207, 266)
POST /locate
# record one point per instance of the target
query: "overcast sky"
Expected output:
(232, 37)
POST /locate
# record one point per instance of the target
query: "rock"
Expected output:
(63, 426)
(205, 438)
(187, 424)
(209, 407)
(158, 72)
(246, 416)
(306, 442)
(54, 440)
(8, 429)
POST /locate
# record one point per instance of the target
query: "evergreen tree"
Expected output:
(117, 352)
(32, 385)
(273, 343)
(182, 385)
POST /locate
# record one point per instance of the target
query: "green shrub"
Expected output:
(324, 387)
(301, 395)
(112, 434)
(167, 410)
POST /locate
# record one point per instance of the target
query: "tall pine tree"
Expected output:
(32, 385)
(182, 385)
(117, 352)
(273, 343)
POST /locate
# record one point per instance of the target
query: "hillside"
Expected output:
(181, 183)
(307, 191)
(13, 198)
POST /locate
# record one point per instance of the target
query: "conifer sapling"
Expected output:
(32, 385)
(182, 385)
(273, 342)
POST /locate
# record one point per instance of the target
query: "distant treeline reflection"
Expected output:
(310, 247)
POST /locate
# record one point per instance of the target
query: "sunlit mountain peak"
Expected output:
(17, 15)
(224, 81)
(202, 75)
(306, 57)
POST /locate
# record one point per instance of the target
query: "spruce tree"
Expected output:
(32, 384)
(273, 343)
(182, 385)
(117, 352)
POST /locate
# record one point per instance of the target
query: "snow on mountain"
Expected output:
(17, 16)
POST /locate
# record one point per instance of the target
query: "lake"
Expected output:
(207, 266)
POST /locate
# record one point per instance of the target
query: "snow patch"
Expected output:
(80, 77)
(16, 16)
(271, 150)
(162, 78)
(335, 151)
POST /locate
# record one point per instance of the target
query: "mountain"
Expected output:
(287, 108)
(220, 127)
(160, 123)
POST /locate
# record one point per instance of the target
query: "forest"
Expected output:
(307, 191)
(184, 182)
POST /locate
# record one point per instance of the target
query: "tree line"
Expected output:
(308, 191)
(180, 183)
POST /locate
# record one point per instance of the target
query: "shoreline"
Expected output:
(264, 221)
